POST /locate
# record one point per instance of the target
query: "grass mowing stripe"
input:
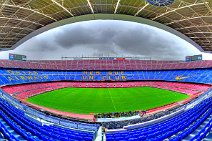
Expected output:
(111, 99)
(104, 100)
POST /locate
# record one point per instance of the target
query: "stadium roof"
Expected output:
(19, 18)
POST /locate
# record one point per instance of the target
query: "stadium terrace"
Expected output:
(182, 91)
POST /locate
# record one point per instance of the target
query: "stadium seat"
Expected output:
(25, 79)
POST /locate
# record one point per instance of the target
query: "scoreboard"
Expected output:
(193, 58)
(17, 57)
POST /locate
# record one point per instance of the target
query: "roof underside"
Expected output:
(19, 18)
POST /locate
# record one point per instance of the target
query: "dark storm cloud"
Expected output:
(106, 38)
(147, 42)
(83, 35)
(38, 44)
(114, 38)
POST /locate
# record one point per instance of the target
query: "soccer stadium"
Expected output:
(105, 98)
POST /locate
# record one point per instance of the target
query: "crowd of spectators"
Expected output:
(118, 114)
(145, 118)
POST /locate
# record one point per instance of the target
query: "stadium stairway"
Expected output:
(99, 135)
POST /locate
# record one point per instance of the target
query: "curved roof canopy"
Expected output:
(18, 18)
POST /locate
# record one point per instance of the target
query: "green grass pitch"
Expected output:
(104, 100)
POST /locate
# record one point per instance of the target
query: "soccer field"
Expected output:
(104, 100)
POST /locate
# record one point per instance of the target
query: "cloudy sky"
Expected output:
(105, 38)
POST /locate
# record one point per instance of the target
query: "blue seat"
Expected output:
(169, 127)
(30, 130)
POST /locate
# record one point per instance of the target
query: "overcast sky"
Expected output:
(105, 38)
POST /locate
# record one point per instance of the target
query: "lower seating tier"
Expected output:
(174, 129)
(27, 90)
(16, 126)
